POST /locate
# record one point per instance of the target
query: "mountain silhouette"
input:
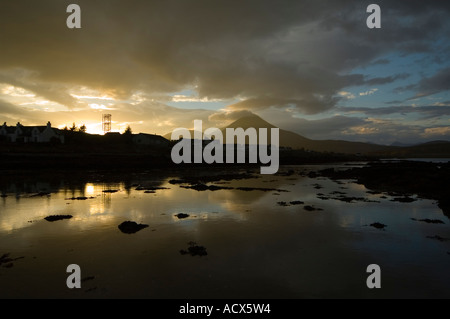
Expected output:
(293, 140)
(397, 143)
(297, 141)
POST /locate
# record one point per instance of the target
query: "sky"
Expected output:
(311, 67)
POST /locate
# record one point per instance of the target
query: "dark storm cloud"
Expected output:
(328, 128)
(229, 116)
(52, 91)
(381, 62)
(423, 111)
(358, 129)
(158, 113)
(402, 89)
(439, 82)
(265, 52)
(394, 102)
(11, 114)
(387, 79)
(147, 116)
(9, 109)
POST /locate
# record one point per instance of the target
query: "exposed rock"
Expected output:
(313, 174)
(297, 202)
(342, 198)
(8, 261)
(80, 198)
(5, 259)
(40, 194)
(404, 199)
(430, 221)
(182, 215)
(179, 181)
(203, 187)
(248, 189)
(378, 225)
(194, 250)
(437, 237)
(282, 204)
(337, 193)
(351, 199)
(403, 178)
(129, 227)
(87, 278)
(444, 204)
(149, 188)
(53, 218)
(212, 178)
(286, 173)
(311, 208)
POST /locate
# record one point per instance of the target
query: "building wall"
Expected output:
(46, 135)
(30, 135)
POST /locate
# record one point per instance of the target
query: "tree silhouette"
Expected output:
(73, 128)
(82, 129)
(128, 130)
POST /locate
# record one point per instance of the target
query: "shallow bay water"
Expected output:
(258, 243)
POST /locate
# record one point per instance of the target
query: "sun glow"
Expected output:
(91, 127)
(90, 189)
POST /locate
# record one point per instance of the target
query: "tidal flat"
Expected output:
(309, 231)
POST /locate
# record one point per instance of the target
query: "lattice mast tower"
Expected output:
(106, 123)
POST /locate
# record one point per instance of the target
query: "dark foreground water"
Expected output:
(258, 243)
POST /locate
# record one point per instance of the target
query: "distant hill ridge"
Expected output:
(297, 141)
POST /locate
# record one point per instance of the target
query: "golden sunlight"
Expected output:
(90, 189)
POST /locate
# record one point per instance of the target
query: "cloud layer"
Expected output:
(260, 54)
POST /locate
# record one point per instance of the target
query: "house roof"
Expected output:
(26, 130)
(153, 136)
(9, 129)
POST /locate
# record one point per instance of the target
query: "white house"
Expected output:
(7, 132)
(30, 134)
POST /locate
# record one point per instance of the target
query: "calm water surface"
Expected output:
(256, 247)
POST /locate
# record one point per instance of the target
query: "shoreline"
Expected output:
(406, 178)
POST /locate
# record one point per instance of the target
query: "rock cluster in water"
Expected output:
(194, 250)
(129, 227)
(53, 218)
